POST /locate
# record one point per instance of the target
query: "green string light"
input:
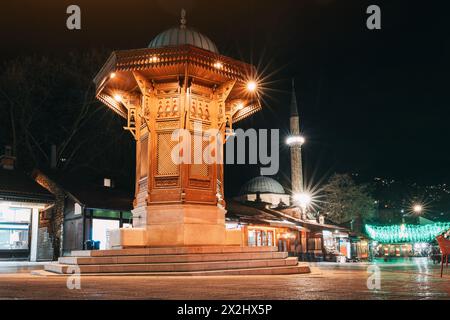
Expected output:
(406, 232)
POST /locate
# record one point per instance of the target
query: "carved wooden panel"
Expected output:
(197, 125)
(168, 108)
(166, 182)
(199, 183)
(167, 125)
(200, 109)
(144, 157)
(165, 165)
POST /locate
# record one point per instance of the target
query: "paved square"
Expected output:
(418, 280)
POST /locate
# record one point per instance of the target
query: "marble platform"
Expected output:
(196, 260)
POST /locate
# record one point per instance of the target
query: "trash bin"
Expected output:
(92, 245)
(89, 244)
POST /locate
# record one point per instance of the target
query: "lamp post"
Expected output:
(303, 199)
(417, 208)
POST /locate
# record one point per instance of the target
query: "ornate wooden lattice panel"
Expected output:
(165, 164)
(199, 169)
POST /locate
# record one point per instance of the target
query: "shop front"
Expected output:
(19, 226)
(15, 232)
(404, 240)
(21, 201)
(326, 242)
(289, 239)
(359, 248)
(93, 225)
(399, 250)
(102, 221)
(337, 246)
(261, 237)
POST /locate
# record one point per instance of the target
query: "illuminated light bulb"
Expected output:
(118, 98)
(218, 65)
(112, 75)
(240, 106)
(251, 86)
(417, 208)
(304, 199)
(295, 140)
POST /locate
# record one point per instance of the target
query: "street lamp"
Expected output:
(303, 199)
(251, 86)
(418, 208)
(118, 97)
(239, 106)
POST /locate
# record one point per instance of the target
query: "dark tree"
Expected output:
(346, 201)
(51, 101)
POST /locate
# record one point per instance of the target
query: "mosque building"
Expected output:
(270, 216)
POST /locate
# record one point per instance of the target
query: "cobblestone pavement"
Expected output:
(327, 281)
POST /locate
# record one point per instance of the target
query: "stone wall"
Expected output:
(45, 250)
(54, 216)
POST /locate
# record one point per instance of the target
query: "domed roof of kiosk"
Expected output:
(262, 184)
(182, 35)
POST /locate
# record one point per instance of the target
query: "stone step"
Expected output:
(170, 251)
(172, 267)
(176, 258)
(298, 269)
(284, 270)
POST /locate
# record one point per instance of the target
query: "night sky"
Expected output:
(370, 102)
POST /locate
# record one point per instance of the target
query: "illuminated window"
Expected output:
(20, 215)
(251, 238)
(259, 238)
(100, 230)
(13, 236)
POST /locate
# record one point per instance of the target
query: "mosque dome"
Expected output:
(182, 35)
(262, 184)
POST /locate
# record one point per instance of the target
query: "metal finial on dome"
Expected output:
(182, 35)
(183, 19)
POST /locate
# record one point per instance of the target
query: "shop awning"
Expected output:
(285, 224)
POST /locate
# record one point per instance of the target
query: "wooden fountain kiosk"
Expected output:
(179, 82)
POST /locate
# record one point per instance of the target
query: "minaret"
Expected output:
(295, 142)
